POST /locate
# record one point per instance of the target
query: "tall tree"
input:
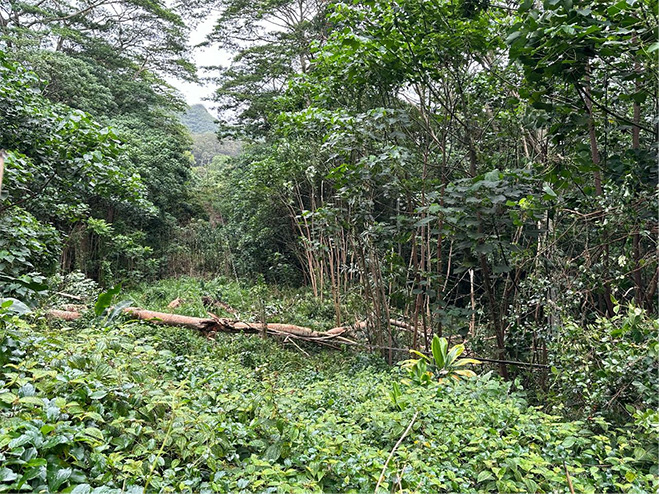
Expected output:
(108, 59)
(271, 42)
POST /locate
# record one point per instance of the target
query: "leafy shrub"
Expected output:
(27, 247)
(444, 363)
(77, 284)
(164, 410)
(609, 367)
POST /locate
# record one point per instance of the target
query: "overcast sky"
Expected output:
(195, 93)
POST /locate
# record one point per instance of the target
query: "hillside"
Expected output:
(205, 144)
(198, 120)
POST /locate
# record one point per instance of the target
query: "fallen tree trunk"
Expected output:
(215, 324)
(65, 315)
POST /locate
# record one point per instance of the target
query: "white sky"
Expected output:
(196, 93)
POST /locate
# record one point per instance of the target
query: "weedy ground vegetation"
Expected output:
(104, 406)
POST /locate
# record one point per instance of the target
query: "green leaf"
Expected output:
(438, 347)
(118, 309)
(492, 176)
(57, 476)
(97, 395)
(7, 475)
(14, 305)
(484, 475)
(105, 300)
(31, 400)
(8, 398)
(513, 36)
(425, 221)
(273, 452)
(455, 352)
(549, 193)
(93, 432)
(467, 361)
(81, 489)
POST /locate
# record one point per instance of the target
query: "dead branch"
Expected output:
(215, 324)
(72, 297)
(65, 315)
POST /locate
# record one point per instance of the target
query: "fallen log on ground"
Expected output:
(214, 324)
(65, 315)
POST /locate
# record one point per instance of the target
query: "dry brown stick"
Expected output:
(72, 297)
(569, 480)
(2, 167)
(288, 339)
(401, 325)
(391, 455)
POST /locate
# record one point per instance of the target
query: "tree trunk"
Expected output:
(216, 324)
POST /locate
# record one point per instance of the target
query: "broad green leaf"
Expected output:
(97, 395)
(7, 475)
(31, 400)
(421, 355)
(57, 476)
(81, 489)
(454, 353)
(8, 398)
(467, 361)
(105, 300)
(437, 352)
(93, 432)
(484, 475)
(15, 306)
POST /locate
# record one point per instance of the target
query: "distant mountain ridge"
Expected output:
(198, 120)
(205, 145)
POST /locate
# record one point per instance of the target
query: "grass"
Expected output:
(251, 302)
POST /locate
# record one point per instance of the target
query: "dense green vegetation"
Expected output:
(130, 407)
(198, 121)
(458, 175)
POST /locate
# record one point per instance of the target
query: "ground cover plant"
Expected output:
(109, 406)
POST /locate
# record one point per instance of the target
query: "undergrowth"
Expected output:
(138, 408)
(255, 302)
